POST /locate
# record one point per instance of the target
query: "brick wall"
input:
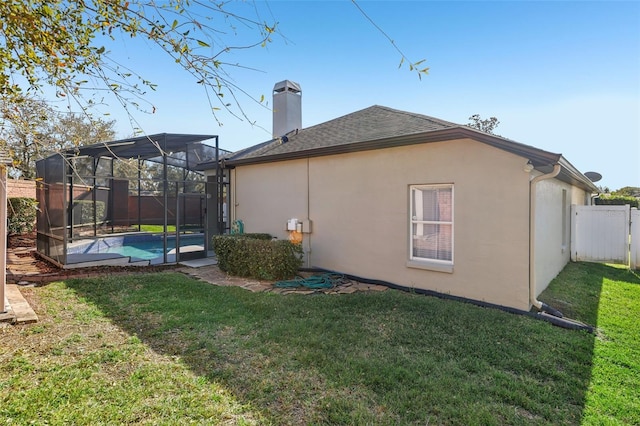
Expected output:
(21, 188)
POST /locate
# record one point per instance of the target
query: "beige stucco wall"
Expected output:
(359, 204)
(553, 228)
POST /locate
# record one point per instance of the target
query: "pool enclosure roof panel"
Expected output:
(185, 150)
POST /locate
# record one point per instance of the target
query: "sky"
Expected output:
(562, 76)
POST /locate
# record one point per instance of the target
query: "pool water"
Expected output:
(141, 250)
(145, 247)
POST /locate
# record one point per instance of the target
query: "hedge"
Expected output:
(617, 200)
(257, 256)
(21, 215)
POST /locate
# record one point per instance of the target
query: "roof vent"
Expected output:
(287, 107)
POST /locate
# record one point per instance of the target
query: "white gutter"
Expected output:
(532, 234)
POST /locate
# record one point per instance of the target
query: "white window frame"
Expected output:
(422, 262)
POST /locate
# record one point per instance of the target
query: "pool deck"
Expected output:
(86, 260)
(199, 263)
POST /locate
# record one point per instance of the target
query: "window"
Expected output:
(431, 219)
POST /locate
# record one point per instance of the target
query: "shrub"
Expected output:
(21, 215)
(616, 200)
(257, 256)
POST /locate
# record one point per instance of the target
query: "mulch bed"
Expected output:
(21, 240)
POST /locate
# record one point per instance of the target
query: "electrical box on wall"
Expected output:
(303, 226)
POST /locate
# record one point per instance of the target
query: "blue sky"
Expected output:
(560, 76)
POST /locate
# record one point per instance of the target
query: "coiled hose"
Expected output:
(313, 282)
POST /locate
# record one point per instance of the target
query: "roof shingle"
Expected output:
(370, 124)
(379, 127)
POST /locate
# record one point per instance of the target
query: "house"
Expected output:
(411, 200)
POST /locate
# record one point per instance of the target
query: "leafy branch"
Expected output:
(60, 43)
(413, 66)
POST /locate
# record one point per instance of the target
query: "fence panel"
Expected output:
(600, 234)
(635, 239)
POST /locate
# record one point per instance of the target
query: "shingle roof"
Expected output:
(380, 127)
(370, 124)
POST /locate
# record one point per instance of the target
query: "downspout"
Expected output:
(532, 240)
(308, 215)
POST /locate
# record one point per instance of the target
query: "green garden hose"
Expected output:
(313, 282)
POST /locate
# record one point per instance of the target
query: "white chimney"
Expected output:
(287, 108)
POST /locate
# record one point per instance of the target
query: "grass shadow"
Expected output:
(384, 358)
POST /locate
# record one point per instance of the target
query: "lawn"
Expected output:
(157, 228)
(166, 349)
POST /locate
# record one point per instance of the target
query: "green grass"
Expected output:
(157, 228)
(608, 297)
(166, 349)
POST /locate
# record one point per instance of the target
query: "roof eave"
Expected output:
(539, 158)
(536, 156)
(574, 177)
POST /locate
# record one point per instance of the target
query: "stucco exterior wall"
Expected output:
(265, 196)
(553, 228)
(359, 207)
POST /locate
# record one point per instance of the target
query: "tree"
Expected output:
(627, 191)
(487, 126)
(63, 44)
(23, 130)
(30, 130)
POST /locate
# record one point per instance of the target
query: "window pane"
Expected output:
(444, 205)
(434, 242)
(432, 222)
(432, 205)
(429, 205)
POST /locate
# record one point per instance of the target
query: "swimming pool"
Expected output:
(139, 246)
(143, 250)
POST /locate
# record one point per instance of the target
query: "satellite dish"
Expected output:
(593, 176)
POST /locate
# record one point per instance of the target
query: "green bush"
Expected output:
(21, 215)
(616, 200)
(257, 256)
(83, 212)
(254, 236)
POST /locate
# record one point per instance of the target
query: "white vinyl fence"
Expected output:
(635, 239)
(608, 234)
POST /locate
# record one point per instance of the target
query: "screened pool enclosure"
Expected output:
(133, 201)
